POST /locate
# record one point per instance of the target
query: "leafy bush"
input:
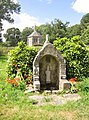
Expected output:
(22, 85)
(84, 85)
(20, 61)
(76, 55)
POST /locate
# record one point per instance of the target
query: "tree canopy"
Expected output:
(8, 7)
(12, 36)
(25, 33)
(85, 20)
(74, 30)
(85, 36)
(55, 29)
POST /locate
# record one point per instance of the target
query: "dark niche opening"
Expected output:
(49, 73)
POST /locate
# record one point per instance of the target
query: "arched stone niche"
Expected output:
(49, 68)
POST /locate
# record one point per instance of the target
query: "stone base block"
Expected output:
(36, 85)
(64, 85)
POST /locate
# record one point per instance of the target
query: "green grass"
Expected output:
(3, 63)
(15, 105)
(4, 50)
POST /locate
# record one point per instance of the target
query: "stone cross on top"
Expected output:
(47, 37)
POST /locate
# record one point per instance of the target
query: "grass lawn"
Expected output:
(15, 105)
(3, 63)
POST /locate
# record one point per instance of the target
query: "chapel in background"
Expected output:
(34, 39)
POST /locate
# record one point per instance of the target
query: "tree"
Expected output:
(0, 31)
(76, 55)
(25, 33)
(55, 29)
(8, 7)
(74, 30)
(45, 29)
(85, 21)
(59, 29)
(85, 36)
(12, 36)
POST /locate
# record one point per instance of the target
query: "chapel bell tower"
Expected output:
(34, 39)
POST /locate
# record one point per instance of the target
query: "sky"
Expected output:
(37, 12)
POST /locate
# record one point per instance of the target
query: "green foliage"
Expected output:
(84, 85)
(20, 59)
(44, 29)
(55, 29)
(74, 30)
(85, 21)
(76, 55)
(25, 33)
(47, 99)
(9, 93)
(5, 50)
(3, 63)
(22, 85)
(59, 28)
(13, 95)
(85, 36)
(8, 7)
(14, 104)
(33, 102)
(12, 36)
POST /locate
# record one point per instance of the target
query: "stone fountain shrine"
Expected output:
(49, 69)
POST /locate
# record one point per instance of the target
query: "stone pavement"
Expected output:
(54, 99)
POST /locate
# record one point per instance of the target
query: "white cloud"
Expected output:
(21, 21)
(15, 1)
(81, 6)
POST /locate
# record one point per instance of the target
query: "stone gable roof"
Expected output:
(49, 49)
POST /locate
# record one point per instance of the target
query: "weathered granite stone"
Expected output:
(49, 68)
